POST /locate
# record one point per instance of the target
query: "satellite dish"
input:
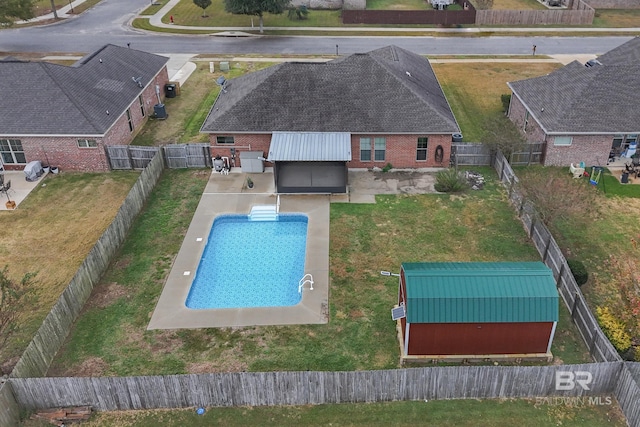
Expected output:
(222, 82)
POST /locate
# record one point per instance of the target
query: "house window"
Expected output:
(526, 121)
(129, 120)
(87, 143)
(422, 148)
(380, 145)
(141, 105)
(12, 152)
(562, 141)
(224, 140)
(365, 149)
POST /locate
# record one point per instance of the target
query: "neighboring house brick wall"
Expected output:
(401, 151)
(517, 114)
(593, 150)
(64, 153)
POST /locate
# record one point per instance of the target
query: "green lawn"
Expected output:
(111, 338)
(441, 413)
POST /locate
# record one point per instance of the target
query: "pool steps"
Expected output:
(263, 213)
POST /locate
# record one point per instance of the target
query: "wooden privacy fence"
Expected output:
(407, 17)
(126, 157)
(530, 154)
(187, 155)
(599, 346)
(311, 387)
(478, 154)
(583, 14)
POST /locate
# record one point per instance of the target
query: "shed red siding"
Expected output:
(478, 338)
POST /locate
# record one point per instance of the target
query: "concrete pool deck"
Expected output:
(227, 194)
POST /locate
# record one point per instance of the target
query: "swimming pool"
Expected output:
(251, 263)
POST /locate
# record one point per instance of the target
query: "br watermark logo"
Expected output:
(569, 380)
(572, 380)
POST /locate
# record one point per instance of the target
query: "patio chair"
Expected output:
(6, 189)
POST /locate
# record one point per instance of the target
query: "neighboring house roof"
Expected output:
(389, 90)
(476, 292)
(626, 54)
(584, 100)
(41, 98)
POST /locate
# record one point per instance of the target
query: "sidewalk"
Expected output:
(156, 21)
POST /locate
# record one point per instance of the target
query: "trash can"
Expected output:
(170, 90)
(456, 137)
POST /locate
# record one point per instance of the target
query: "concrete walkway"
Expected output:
(156, 21)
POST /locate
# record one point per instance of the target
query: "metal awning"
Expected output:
(310, 147)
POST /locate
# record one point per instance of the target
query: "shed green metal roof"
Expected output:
(479, 292)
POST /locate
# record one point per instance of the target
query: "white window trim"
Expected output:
(85, 143)
(555, 139)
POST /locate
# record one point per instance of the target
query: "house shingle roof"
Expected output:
(626, 54)
(41, 98)
(578, 99)
(389, 90)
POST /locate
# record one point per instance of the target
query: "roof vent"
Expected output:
(408, 73)
(138, 81)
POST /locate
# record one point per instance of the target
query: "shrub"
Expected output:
(506, 100)
(450, 181)
(579, 271)
(387, 167)
(613, 329)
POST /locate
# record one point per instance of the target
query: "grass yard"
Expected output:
(473, 90)
(187, 13)
(616, 18)
(611, 236)
(111, 338)
(188, 110)
(398, 5)
(51, 233)
(516, 5)
(449, 413)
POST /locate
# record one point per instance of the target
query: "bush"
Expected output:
(450, 181)
(506, 100)
(613, 329)
(387, 167)
(579, 271)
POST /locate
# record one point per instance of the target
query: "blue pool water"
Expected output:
(251, 263)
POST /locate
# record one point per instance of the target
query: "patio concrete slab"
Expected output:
(20, 188)
(227, 194)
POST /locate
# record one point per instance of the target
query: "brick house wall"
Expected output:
(593, 150)
(63, 151)
(401, 150)
(590, 149)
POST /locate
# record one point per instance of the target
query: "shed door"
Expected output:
(311, 177)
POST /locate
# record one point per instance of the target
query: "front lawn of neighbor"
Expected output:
(441, 413)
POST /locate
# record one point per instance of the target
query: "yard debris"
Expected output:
(63, 416)
(475, 180)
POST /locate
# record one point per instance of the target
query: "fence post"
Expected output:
(502, 168)
(594, 341)
(560, 275)
(533, 225)
(573, 307)
(546, 249)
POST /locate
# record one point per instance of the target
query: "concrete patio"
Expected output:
(20, 188)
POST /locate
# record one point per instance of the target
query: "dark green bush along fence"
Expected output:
(311, 388)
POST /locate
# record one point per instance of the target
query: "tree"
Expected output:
(15, 9)
(203, 4)
(501, 134)
(15, 298)
(299, 12)
(256, 7)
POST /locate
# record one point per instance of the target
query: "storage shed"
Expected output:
(476, 310)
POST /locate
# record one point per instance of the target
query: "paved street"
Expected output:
(108, 21)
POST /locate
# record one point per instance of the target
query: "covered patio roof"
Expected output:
(310, 147)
